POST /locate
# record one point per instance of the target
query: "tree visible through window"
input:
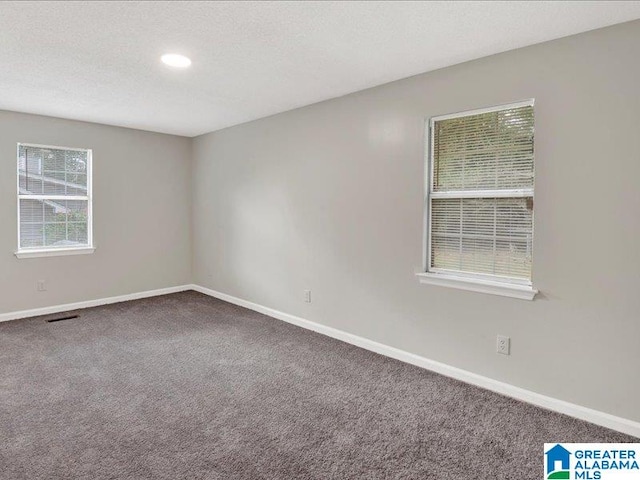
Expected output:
(480, 193)
(54, 198)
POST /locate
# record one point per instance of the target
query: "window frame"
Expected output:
(477, 282)
(33, 252)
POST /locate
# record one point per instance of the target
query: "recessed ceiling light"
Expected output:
(175, 60)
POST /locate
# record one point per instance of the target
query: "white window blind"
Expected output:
(481, 194)
(54, 198)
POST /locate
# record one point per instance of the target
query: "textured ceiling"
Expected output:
(99, 61)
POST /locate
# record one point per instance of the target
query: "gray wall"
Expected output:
(329, 198)
(141, 187)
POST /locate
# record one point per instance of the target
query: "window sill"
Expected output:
(523, 292)
(58, 252)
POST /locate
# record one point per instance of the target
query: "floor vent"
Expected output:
(59, 319)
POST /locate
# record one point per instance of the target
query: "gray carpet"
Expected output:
(186, 386)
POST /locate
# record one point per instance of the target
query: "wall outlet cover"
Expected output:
(503, 345)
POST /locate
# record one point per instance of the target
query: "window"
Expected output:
(479, 205)
(54, 201)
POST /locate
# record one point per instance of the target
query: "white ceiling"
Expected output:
(99, 61)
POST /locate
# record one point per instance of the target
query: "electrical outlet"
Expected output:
(41, 286)
(503, 345)
(307, 296)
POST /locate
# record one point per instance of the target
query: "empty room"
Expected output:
(263, 240)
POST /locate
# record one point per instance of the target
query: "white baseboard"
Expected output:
(91, 303)
(619, 424)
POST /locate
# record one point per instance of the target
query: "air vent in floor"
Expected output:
(59, 319)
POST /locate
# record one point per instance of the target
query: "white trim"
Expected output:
(48, 251)
(479, 111)
(53, 204)
(22, 196)
(513, 193)
(491, 284)
(613, 422)
(90, 195)
(17, 160)
(51, 180)
(4, 317)
(52, 147)
(426, 244)
(500, 279)
(505, 289)
(54, 252)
